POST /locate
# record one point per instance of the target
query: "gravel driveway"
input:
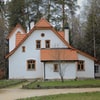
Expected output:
(15, 93)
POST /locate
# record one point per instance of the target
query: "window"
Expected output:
(96, 69)
(80, 66)
(42, 34)
(55, 67)
(47, 43)
(31, 65)
(23, 48)
(38, 44)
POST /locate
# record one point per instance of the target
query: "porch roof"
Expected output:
(58, 54)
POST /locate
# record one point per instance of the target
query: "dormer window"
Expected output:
(47, 44)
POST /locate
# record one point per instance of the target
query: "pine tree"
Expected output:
(92, 30)
(16, 13)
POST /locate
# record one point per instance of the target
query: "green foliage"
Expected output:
(16, 11)
(65, 84)
(92, 29)
(6, 83)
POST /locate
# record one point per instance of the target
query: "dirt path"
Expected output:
(15, 93)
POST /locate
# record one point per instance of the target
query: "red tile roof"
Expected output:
(19, 37)
(58, 54)
(61, 33)
(43, 23)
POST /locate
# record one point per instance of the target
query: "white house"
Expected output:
(45, 53)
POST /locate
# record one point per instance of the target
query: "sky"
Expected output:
(80, 2)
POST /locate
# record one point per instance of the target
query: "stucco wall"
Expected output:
(18, 61)
(68, 70)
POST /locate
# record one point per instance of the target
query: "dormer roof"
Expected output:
(12, 32)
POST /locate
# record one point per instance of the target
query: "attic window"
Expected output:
(47, 43)
(80, 65)
(23, 48)
(38, 44)
(42, 34)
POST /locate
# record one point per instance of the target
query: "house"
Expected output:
(46, 53)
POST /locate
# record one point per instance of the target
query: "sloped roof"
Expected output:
(19, 37)
(16, 27)
(38, 25)
(58, 54)
(44, 24)
(61, 33)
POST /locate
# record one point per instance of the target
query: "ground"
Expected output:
(14, 93)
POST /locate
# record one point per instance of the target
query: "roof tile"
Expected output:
(58, 54)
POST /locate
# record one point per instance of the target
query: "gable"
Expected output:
(43, 24)
(17, 28)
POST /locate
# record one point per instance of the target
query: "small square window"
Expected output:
(23, 48)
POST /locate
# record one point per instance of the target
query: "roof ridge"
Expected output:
(43, 23)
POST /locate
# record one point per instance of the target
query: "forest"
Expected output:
(84, 26)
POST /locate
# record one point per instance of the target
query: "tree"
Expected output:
(92, 29)
(33, 11)
(65, 8)
(16, 12)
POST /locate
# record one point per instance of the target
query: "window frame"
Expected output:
(80, 65)
(30, 63)
(38, 46)
(47, 45)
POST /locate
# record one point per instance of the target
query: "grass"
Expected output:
(65, 84)
(70, 96)
(7, 83)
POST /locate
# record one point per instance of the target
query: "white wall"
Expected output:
(17, 61)
(89, 68)
(68, 69)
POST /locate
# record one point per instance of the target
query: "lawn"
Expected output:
(65, 84)
(6, 83)
(71, 96)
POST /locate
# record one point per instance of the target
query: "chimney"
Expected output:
(31, 25)
(66, 31)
